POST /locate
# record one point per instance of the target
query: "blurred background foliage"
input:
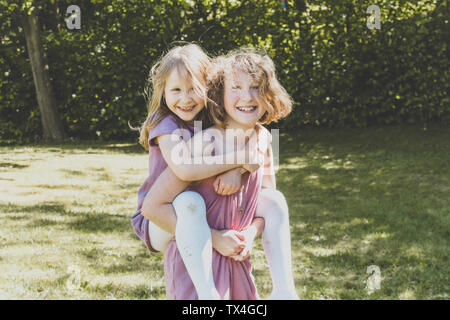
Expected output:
(339, 72)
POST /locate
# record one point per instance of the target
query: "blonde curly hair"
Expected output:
(272, 95)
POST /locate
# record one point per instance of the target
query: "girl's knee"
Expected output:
(273, 198)
(189, 203)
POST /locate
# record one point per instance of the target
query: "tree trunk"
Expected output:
(51, 121)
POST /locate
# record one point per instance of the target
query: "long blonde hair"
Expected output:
(195, 62)
(272, 95)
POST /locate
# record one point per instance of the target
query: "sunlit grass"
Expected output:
(68, 209)
(356, 198)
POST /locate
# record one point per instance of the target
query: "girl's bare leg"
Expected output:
(159, 238)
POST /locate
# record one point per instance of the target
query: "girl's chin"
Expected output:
(246, 121)
(186, 116)
(245, 124)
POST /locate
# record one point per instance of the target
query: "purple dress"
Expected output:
(157, 165)
(233, 279)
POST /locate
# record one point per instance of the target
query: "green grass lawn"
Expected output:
(357, 197)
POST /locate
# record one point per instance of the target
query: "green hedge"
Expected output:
(338, 71)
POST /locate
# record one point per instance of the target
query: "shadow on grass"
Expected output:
(13, 165)
(73, 172)
(89, 147)
(356, 197)
(100, 222)
(59, 186)
(86, 222)
(44, 207)
(142, 291)
(42, 223)
(380, 198)
(129, 186)
(105, 261)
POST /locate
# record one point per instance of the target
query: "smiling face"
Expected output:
(241, 103)
(181, 97)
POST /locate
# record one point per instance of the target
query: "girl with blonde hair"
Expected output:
(243, 92)
(178, 97)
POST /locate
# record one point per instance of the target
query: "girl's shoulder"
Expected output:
(264, 139)
(168, 121)
(167, 125)
(264, 135)
(263, 131)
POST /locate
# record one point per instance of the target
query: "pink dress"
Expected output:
(157, 165)
(233, 279)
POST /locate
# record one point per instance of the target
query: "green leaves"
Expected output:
(320, 51)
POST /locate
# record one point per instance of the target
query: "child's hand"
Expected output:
(256, 160)
(254, 155)
(228, 183)
(227, 242)
(249, 237)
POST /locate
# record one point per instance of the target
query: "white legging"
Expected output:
(193, 241)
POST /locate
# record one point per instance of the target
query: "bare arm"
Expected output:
(248, 236)
(229, 182)
(192, 160)
(157, 206)
(269, 171)
(256, 228)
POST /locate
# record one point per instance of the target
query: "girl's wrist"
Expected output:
(258, 224)
(214, 236)
(251, 232)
